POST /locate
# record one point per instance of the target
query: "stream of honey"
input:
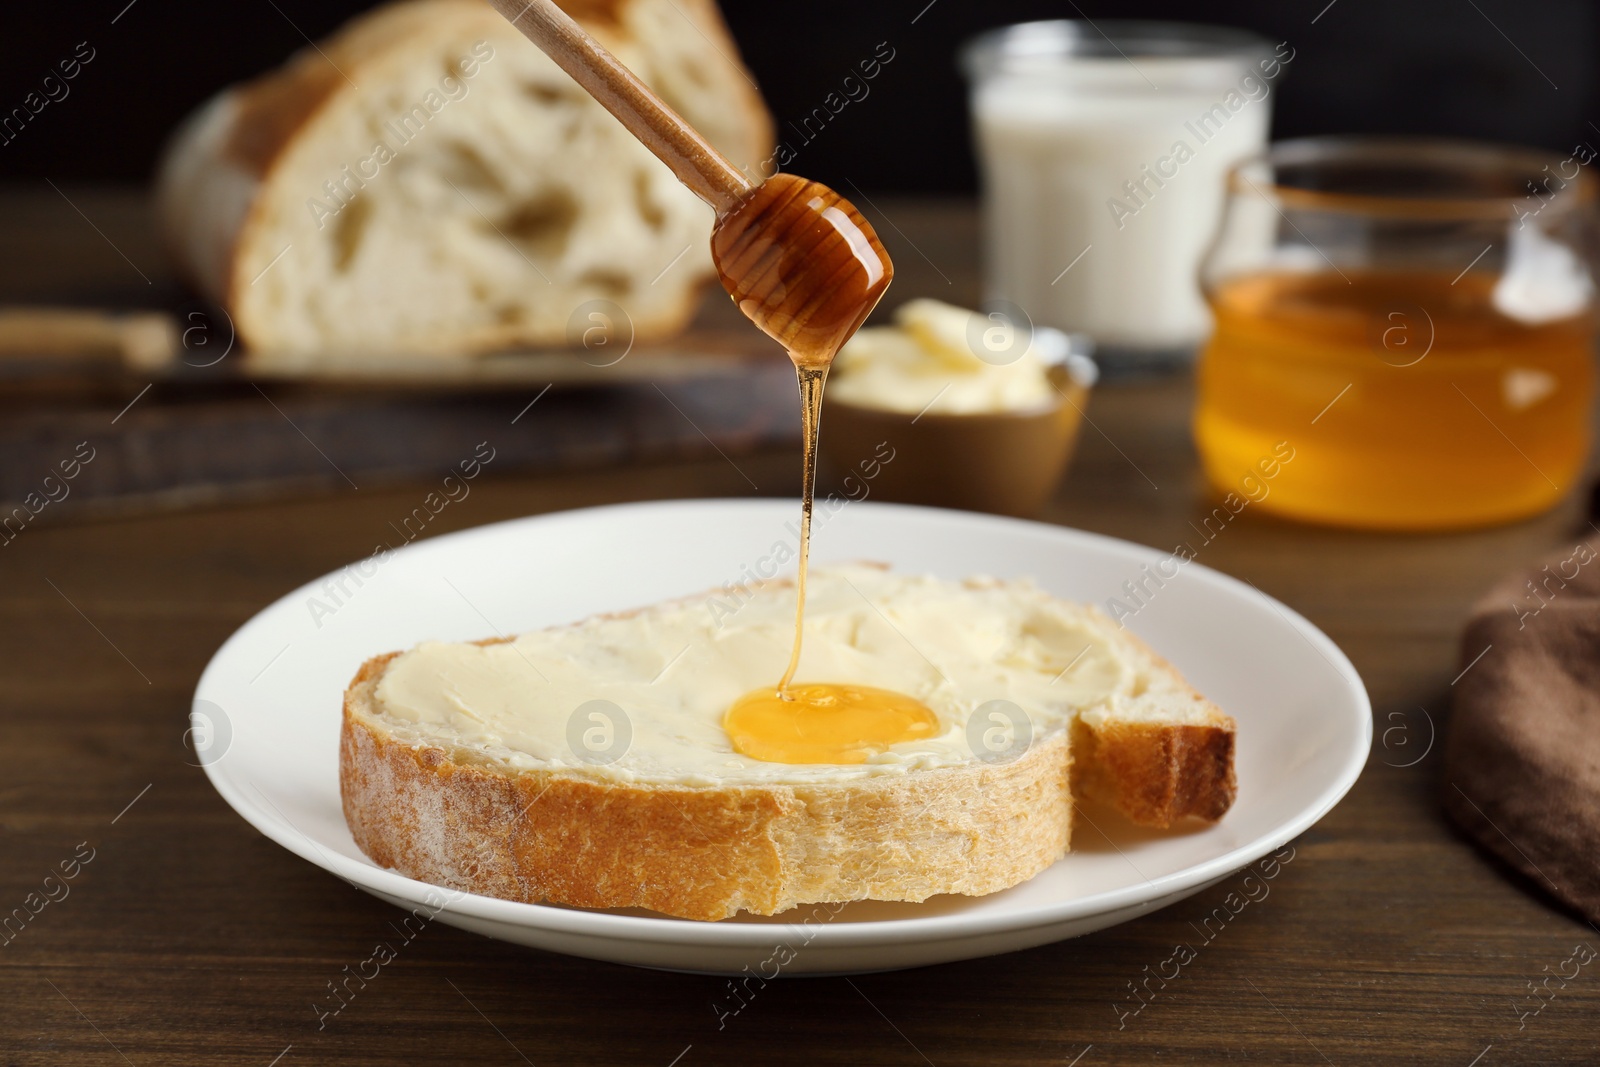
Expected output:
(812, 381)
(822, 722)
(806, 268)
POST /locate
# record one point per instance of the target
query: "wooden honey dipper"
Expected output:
(799, 259)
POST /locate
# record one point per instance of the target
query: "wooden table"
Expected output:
(191, 939)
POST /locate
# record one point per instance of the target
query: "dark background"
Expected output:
(1493, 69)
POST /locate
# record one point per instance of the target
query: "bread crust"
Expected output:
(1156, 774)
(697, 852)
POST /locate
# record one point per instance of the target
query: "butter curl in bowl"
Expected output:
(972, 410)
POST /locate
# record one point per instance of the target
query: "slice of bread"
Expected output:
(428, 181)
(586, 764)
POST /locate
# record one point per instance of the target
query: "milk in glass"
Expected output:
(1104, 174)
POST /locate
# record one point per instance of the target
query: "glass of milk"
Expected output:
(1104, 150)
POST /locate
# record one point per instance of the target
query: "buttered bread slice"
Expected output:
(587, 764)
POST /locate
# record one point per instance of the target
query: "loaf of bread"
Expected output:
(587, 764)
(427, 181)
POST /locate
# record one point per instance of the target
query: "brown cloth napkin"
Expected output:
(1522, 754)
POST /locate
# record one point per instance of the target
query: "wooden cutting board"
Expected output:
(166, 444)
(154, 409)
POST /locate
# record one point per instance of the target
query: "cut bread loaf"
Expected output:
(428, 181)
(586, 764)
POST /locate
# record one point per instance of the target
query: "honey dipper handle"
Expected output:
(662, 130)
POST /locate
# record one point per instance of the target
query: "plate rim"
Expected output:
(690, 933)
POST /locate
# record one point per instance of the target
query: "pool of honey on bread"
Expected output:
(676, 668)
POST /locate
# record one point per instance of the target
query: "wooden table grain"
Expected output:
(185, 937)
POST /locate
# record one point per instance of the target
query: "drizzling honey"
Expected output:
(812, 380)
(805, 267)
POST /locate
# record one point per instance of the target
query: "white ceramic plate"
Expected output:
(266, 717)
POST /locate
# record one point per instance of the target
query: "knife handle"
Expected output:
(140, 340)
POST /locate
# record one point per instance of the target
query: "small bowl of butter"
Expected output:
(956, 408)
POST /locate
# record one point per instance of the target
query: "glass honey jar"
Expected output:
(1410, 322)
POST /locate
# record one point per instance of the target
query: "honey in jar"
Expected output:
(1407, 400)
(1403, 334)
